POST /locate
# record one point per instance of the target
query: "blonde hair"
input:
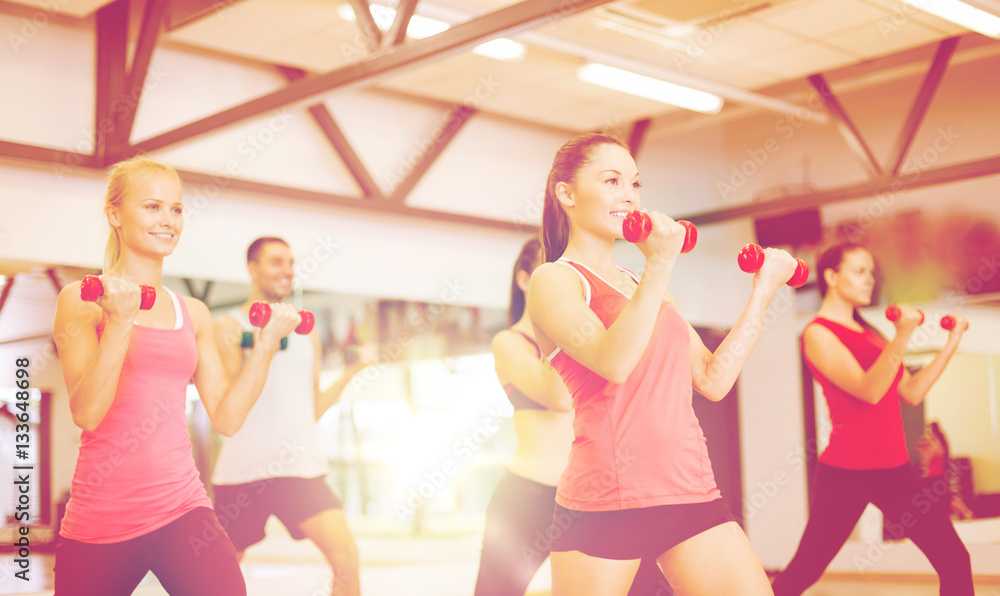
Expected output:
(123, 175)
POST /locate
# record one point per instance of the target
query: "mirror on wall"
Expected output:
(415, 444)
(942, 264)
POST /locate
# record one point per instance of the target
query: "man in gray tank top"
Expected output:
(273, 465)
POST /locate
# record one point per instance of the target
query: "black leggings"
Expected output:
(516, 542)
(839, 498)
(191, 556)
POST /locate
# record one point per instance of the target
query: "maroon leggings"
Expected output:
(191, 556)
(839, 499)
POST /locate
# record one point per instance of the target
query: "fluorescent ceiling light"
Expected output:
(650, 88)
(962, 14)
(418, 28)
(502, 49)
(421, 27)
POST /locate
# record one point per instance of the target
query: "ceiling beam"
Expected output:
(111, 72)
(324, 119)
(6, 291)
(186, 12)
(969, 170)
(59, 160)
(638, 135)
(366, 23)
(202, 295)
(846, 127)
(923, 101)
(459, 116)
(54, 278)
(379, 207)
(875, 69)
(128, 102)
(520, 16)
(404, 12)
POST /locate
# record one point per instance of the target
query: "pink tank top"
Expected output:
(135, 472)
(637, 444)
(865, 436)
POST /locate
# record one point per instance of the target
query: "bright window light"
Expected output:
(501, 48)
(961, 14)
(650, 88)
(419, 27)
(383, 16)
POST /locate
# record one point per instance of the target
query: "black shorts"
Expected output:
(633, 533)
(243, 509)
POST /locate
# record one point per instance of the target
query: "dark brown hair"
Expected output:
(528, 260)
(253, 251)
(573, 155)
(833, 258)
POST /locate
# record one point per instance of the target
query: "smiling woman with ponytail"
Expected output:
(639, 483)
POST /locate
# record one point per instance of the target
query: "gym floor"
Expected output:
(433, 567)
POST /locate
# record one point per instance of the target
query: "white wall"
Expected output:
(494, 169)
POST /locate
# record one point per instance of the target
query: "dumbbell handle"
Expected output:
(260, 314)
(892, 312)
(91, 289)
(751, 259)
(638, 225)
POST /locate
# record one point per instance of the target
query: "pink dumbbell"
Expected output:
(638, 225)
(260, 314)
(91, 289)
(751, 259)
(893, 313)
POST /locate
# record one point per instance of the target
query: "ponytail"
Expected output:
(527, 261)
(573, 155)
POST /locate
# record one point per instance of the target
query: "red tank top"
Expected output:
(135, 472)
(864, 436)
(636, 444)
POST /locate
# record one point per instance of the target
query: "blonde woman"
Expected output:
(137, 503)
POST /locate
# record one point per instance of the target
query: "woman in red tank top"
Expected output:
(137, 503)
(638, 483)
(866, 461)
(516, 537)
